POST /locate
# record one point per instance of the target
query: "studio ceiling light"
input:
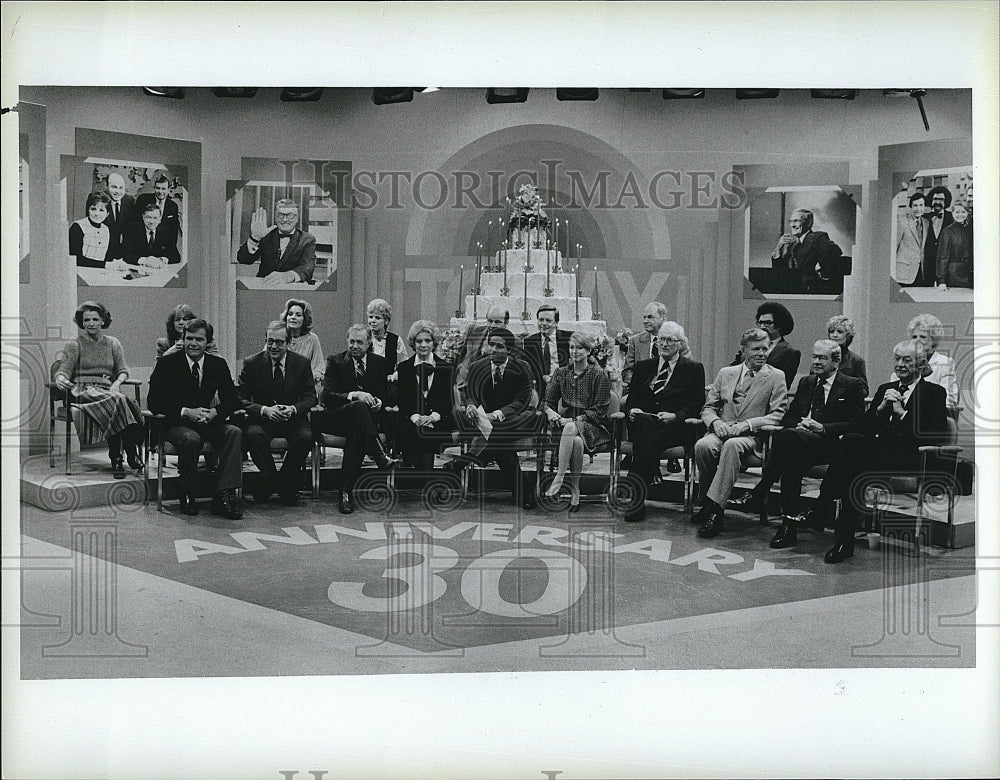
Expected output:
(756, 94)
(834, 94)
(301, 94)
(383, 96)
(683, 94)
(575, 93)
(506, 95)
(167, 92)
(235, 92)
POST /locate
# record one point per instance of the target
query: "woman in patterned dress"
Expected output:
(585, 391)
(92, 372)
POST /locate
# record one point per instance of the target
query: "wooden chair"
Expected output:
(62, 408)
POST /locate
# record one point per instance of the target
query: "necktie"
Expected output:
(818, 401)
(496, 376)
(149, 239)
(359, 374)
(653, 351)
(920, 230)
(114, 211)
(661, 378)
(196, 374)
(743, 386)
(423, 370)
(547, 356)
(279, 377)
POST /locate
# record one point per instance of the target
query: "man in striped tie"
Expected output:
(665, 390)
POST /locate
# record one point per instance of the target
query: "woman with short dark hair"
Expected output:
(90, 238)
(91, 373)
(177, 320)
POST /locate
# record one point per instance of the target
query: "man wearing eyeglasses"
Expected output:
(277, 390)
(665, 390)
(286, 253)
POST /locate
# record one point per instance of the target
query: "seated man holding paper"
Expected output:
(498, 403)
(665, 390)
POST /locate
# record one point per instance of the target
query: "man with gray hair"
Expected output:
(666, 390)
(828, 404)
(120, 213)
(903, 416)
(810, 251)
(642, 346)
(277, 390)
(355, 386)
(286, 253)
(741, 401)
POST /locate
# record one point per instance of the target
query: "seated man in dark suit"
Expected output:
(548, 349)
(355, 386)
(475, 345)
(170, 217)
(424, 389)
(286, 253)
(277, 390)
(903, 416)
(827, 405)
(148, 243)
(664, 392)
(499, 389)
(182, 388)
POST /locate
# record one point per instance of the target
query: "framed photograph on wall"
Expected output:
(799, 240)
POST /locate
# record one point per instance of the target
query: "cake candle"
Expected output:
(528, 244)
(597, 296)
(548, 279)
(556, 243)
(524, 311)
(577, 274)
(569, 254)
(461, 291)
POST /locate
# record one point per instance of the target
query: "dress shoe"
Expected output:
(704, 514)
(226, 505)
(674, 466)
(345, 502)
(786, 536)
(750, 502)
(134, 462)
(189, 506)
(713, 527)
(118, 469)
(841, 551)
(528, 502)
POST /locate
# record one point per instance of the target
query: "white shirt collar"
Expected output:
(430, 360)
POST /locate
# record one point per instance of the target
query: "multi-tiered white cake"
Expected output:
(575, 313)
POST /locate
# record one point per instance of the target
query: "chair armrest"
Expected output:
(135, 382)
(940, 449)
(771, 428)
(616, 416)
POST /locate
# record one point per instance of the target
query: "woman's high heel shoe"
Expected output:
(554, 489)
(574, 507)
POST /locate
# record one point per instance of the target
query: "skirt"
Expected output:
(594, 436)
(104, 414)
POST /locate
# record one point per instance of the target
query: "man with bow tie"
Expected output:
(277, 390)
(827, 405)
(665, 391)
(355, 386)
(286, 253)
(424, 390)
(903, 416)
(741, 401)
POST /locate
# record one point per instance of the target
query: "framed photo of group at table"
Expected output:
(931, 235)
(799, 240)
(126, 221)
(288, 224)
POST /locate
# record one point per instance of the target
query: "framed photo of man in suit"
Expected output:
(108, 240)
(931, 235)
(799, 240)
(287, 224)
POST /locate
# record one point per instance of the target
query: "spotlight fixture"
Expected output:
(235, 92)
(575, 93)
(918, 95)
(756, 94)
(426, 90)
(382, 96)
(506, 95)
(301, 94)
(834, 94)
(167, 92)
(683, 94)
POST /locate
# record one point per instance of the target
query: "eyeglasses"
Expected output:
(667, 340)
(274, 342)
(765, 322)
(286, 217)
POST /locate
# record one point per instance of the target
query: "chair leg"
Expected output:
(315, 469)
(68, 441)
(52, 435)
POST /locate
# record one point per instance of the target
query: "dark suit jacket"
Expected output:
(439, 397)
(533, 353)
(135, 245)
(684, 394)
(126, 216)
(299, 255)
(844, 408)
(852, 364)
(928, 269)
(783, 357)
(171, 387)
(256, 387)
(391, 349)
(512, 396)
(340, 379)
(925, 421)
(171, 220)
(818, 257)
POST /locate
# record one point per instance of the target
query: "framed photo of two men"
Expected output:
(126, 221)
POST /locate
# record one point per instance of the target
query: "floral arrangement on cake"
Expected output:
(602, 350)
(622, 337)
(526, 209)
